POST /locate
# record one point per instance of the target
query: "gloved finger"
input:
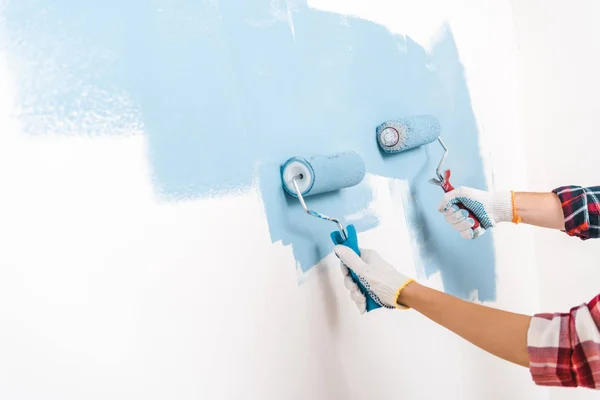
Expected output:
(467, 234)
(453, 208)
(478, 232)
(351, 259)
(362, 307)
(350, 284)
(371, 258)
(448, 198)
(457, 216)
(466, 223)
(357, 297)
(368, 256)
(345, 270)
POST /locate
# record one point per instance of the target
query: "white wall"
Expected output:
(107, 292)
(559, 60)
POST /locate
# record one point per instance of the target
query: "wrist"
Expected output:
(502, 206)
(406, 294)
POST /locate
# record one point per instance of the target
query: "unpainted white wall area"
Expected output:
(559, 60)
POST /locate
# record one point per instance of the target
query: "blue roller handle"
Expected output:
(352, 242)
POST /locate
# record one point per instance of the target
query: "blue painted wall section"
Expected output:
(226, 89)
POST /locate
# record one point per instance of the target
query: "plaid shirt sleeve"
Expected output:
(581, 207)
(564, 349)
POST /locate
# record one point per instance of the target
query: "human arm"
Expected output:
(540, 209)
(573, 209)
(560, 349)
(498, 332)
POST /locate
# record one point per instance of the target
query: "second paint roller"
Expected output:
(303, 177)
(407, 133)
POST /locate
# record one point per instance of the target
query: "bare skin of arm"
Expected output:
(501, 333)
(498, 332)
(540, 209)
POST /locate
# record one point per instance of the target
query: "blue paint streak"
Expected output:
(223, 88)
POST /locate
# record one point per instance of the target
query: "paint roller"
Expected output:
(407, 133)
(303, 177)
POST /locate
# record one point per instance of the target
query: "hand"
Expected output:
(490, 208)
(376, 275)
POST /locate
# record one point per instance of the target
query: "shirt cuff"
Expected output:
(564, 348)
(581, 209)
(549, 355)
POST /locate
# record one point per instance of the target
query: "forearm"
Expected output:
(501, 333)
(540, 209)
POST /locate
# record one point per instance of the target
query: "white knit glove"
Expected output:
(490, 208)
(377, 276)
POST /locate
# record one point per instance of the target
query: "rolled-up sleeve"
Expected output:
(581, 208)
(564, 348)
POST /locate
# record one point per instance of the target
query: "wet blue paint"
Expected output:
(225, 90)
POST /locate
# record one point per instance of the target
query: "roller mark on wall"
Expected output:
(221, 88)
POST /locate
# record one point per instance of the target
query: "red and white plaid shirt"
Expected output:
(564, 348)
